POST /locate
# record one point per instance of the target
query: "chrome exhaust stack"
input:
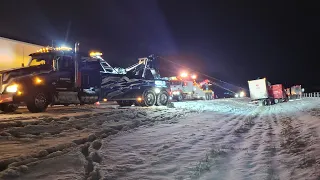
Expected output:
(77, 76)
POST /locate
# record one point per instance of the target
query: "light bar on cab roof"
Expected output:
(93, 54)
(48, 49)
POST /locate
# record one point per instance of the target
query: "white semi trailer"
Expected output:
(15, 54)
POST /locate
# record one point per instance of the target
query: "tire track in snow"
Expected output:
(168, 151)
(218, 161)
(239, 160)
(299, 150)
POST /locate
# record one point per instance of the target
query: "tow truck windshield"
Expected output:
(40, 60)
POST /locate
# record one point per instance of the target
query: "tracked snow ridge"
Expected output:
(42, 135)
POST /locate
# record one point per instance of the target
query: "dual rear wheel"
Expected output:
(149, 98)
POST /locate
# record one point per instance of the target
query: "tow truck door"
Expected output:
(90, 74)
(65, 70)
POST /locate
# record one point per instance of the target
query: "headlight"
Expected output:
(157, 90)
(176, 92)
(12, 88)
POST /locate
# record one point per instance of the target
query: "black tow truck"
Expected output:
(61, 76)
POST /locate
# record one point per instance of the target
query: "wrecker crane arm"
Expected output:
(144, 64)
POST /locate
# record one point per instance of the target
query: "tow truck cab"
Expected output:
(60, 76)
(54, 76)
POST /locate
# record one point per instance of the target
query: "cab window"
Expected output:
(37, 62)
(65, 63)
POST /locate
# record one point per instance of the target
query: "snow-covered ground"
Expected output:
(219, 139)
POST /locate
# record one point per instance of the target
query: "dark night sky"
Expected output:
(232, 40)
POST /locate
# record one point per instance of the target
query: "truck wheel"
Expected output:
(276, 101)
(265, 103)
(38, 102)
(7, 108)
(149, 98)
(180, 97)
(162, 98)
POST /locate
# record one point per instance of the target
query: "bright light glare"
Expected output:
(38, 80)
(12, 88)
(184, 74)
(194, 76)
(176, 92)
(242, 94)
(236, 95)
(157, 90)
(93, 54)
(139, 99)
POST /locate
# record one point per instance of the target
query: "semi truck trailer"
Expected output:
(14, 54)
(264, 93)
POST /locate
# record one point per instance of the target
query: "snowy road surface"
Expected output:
(219, 139)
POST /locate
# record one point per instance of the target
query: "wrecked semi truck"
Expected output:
(262, 92)
(188, 89)
(61, 76)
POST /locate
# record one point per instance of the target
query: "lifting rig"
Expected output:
(61, 76)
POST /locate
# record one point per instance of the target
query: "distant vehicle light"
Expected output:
(184, 74)
(236, 95)
(242, 94)
(139, 99)
(176, 92)
(105, 100)
(194, 76)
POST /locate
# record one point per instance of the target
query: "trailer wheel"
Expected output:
(265, 102)
(149, 98)
(7, 108)
(38, 102)
(276, 101)
(162, 98)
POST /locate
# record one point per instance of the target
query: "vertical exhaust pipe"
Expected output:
(77, 75)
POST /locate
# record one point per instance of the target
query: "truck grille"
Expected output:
(0, 83)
